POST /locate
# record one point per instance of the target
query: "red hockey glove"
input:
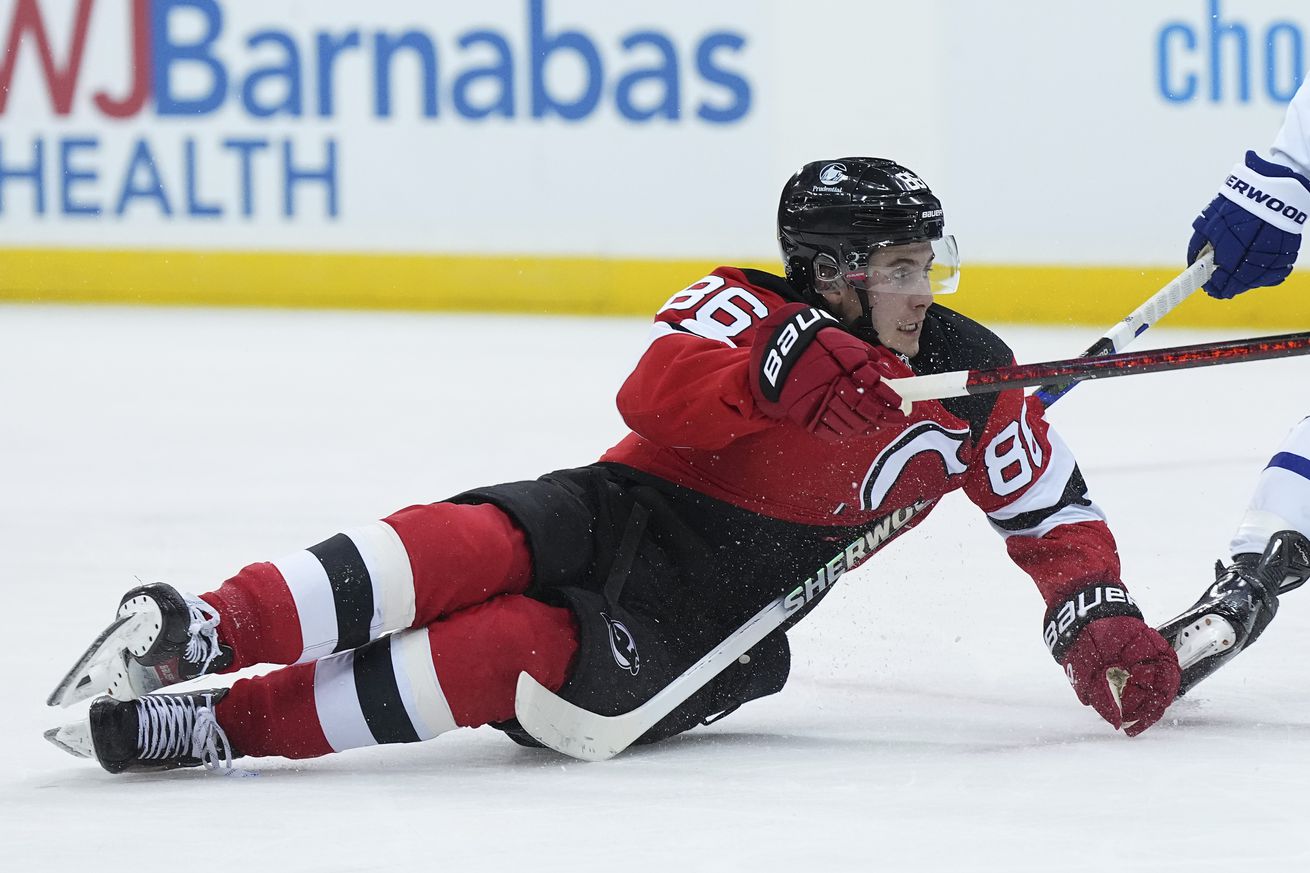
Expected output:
(806, 368)
(1117, 663)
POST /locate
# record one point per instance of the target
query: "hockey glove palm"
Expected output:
(1254, 226)
(1117, 664)
(807, 369)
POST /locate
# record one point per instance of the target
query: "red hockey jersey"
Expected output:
(695, 422)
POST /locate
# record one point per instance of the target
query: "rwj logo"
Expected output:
(190, 72)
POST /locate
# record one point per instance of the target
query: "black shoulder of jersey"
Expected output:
(951, 341)
(777, 284)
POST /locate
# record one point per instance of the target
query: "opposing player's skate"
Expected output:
(159, 637)
(155, 732)
(1237, 608)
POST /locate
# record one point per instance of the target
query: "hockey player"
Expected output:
(1254, 226)
(765, 450)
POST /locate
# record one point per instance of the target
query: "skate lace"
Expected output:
(202, 643)
(170, 726)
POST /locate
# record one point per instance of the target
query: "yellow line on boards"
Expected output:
(1100, 296)
(1096, 296)
(528, 284)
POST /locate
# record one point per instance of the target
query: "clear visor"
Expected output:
(907, 268)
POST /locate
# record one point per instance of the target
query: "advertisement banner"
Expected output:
(584, 156)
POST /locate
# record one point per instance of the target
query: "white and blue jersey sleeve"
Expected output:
(1291, 147)
(1282, 496)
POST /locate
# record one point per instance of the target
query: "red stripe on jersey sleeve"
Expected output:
(1068, 559)
(1013, 456)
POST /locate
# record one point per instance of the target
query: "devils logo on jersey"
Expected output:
(924, 436)
(622, 645)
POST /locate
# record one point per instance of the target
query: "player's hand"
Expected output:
(1122, 668)
(805, 368)
(1254, 226)
(1117, 664)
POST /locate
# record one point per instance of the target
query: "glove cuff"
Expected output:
(1065, 620)
(1271, 192)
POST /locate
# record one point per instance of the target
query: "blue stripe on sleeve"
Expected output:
(1293, 463)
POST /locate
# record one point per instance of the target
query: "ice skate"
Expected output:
(1237, 607)
(155, 732)
(159, 637)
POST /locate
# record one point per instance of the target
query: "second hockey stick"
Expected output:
(958, 383)
(1160, 304)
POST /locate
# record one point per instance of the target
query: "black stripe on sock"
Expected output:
(352, 589)
(379, 695)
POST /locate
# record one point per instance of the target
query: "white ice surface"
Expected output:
(924, 726)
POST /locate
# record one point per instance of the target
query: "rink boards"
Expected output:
(576, 156)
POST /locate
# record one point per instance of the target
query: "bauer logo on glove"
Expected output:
(1099, 601)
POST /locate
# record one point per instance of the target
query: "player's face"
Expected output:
(898, 319)
(898, 286)
(897, 312)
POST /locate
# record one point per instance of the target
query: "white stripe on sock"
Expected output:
(392, 576)
(425, 703)
(337, 703)
(315, 607)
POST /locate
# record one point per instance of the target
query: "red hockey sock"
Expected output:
(420, 564)
(405, 687)
(257, 617)
(461, 555)
(274, 715)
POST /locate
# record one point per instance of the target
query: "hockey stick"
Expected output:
(1160, 304)
(580, 733)
(583, 734)
(961, 382)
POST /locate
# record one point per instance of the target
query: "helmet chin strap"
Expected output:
(863, 327)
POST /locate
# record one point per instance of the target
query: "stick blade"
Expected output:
(568, 729)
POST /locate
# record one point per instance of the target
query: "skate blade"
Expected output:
(94, 672)
(1207, 636)
(74, 738)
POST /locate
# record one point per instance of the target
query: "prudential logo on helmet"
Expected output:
(832, 174)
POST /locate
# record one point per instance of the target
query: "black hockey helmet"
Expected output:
(838, 211)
